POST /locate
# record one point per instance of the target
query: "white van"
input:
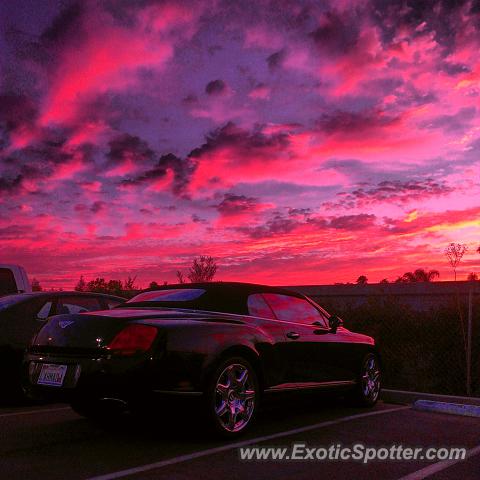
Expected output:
(13, 279)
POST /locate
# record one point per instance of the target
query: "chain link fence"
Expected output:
(422, 333)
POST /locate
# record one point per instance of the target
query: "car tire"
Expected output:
(232, 397)
(368, 386)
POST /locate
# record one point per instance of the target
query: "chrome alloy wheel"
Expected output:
(371, 378)
(235, 397)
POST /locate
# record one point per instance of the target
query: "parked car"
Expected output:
(22, 315)
(225, 343)
(13, 279)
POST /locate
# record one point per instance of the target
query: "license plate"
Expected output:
(52, 375)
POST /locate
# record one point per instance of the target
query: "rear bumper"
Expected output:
(130, 379)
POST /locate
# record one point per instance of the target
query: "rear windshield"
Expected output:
(219, 298)
(167, 296)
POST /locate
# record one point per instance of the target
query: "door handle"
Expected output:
(293, 335)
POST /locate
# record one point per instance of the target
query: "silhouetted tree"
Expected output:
(115, 287)
(472, 277)
(419, 275)
(129, 284)
(203, 269)
(181, 277)
(454, 253)
(112, 287)
(153, 286)
(362, 280)
(99, 285)
(36, 287)
(81, 285)
(385, 280)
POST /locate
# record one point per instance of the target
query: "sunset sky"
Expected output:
(296, 142)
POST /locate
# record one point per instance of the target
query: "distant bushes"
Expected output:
(125, 289)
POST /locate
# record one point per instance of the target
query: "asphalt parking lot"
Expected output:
(52, 442)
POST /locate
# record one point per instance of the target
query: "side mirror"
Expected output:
(334, 322)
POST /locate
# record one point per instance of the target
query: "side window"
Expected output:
(77, 304)
(44, 311)
(258, 307)
(293, 309)
(28, 317)
(7, 282)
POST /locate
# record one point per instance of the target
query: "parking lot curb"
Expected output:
(404, 397)
(450, 408)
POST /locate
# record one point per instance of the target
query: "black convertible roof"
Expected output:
(239, 287)
(230, 297)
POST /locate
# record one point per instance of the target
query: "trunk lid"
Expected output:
(80, 333)
(93, 331)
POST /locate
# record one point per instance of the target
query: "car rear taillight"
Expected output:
(133, 339)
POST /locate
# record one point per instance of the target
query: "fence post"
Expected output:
(469, 343)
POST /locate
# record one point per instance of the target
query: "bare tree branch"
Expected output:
(454, 253)
(203, 269)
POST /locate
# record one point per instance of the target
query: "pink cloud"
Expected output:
(260, 92)
(236, 155)
(264, 37)
(128, 166)
(164, 183)
(69, 169)
(109, 57)
(92, 187)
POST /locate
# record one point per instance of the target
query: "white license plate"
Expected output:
(52, 375)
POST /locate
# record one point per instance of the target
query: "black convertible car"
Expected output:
(225, 343)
